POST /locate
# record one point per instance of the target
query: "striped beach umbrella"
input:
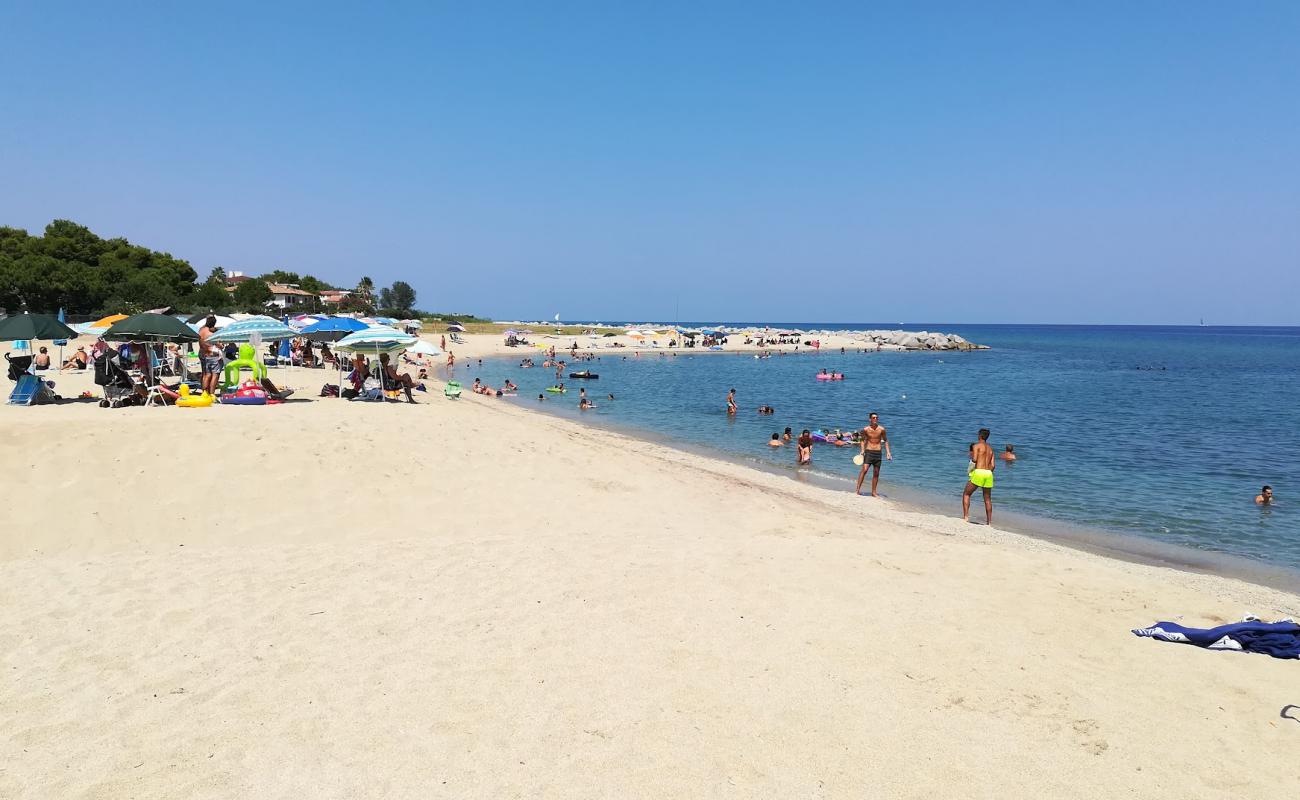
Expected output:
(376, 340)
(265, 328)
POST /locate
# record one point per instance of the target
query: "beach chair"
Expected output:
(157, 393)
(455, 338)
(30, 391)
(452, 391)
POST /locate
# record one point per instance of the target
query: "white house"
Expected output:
(288, 295)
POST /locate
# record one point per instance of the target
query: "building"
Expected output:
(334, 297)
(288, 295)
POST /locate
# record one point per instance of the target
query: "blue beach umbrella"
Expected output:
(61, 343)
(333, 329)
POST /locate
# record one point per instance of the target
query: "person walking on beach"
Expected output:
(731, 403)
(209, 356)
(981, 477)
(874, 439)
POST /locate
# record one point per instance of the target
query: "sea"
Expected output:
(1151, 440)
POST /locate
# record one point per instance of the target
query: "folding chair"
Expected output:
(29, 391)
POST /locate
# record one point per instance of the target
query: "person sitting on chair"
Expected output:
(392, 378)
(42, 360)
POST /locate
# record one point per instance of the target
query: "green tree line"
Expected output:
(72, 268)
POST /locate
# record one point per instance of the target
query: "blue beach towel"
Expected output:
(1277, 639)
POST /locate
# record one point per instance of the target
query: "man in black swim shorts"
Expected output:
(874, 441)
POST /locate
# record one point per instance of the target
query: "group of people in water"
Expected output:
(874, 449)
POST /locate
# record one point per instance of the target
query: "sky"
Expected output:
(969, 162)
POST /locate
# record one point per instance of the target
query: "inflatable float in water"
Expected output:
(830, 376)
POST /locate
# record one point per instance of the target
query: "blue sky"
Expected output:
(969, 162)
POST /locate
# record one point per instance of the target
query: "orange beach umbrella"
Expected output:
(107, 321)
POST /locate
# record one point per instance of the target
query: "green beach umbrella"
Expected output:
(34, 326)
(150, 328)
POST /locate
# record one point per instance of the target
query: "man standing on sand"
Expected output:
(209, 356)
(980, 478)
(731, 403)
(874, 439)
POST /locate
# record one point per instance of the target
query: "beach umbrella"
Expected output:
(303, 321)
(196, 321)
(373, 341)
(411, 323)
(150, 328)
(108, 321)
(61, 342)
(424, 348)
(332, 329)
(456, 327)
(21, 327)
(376, 340)
(244, 330)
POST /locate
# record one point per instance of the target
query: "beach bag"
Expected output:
(348, 393)
(329, 390)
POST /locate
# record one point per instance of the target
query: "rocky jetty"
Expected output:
(919, 340)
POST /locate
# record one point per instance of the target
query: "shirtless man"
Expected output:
(209, 356)
(874, 439)
(731, 403)
(1265, 496)
(980, 478)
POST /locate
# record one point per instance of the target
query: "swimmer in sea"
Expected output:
(1009, 454)
(775, 441)
(731, 403)
(787, 436)
(1265, 496)
(981, 477)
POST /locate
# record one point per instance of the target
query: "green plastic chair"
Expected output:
(453, 390)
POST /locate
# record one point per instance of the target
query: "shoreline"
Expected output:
(1096, 540)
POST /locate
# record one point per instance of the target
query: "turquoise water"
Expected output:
(1160, 432)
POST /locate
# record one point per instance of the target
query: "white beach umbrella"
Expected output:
(424, 348)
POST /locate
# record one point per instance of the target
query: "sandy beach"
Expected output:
(470, 599)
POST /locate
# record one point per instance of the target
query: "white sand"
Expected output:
(468, 599)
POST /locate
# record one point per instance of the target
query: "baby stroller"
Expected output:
(119, 389)
(18, 366)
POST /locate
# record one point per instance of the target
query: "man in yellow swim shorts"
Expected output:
(981, 477)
